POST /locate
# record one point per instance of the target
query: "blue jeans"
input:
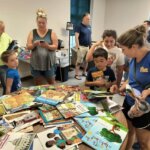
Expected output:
(3, 70)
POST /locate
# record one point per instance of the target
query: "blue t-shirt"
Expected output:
(13, 74)
(84, 34)
(95, 74)
(142, 76)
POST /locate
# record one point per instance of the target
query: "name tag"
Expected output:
(142, 69)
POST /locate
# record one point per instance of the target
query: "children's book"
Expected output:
(25, 121)
(50, 115)
(37, 144)
(68, 88)
(51, 97)
(107, 134)
(16, 141)
(105, 104)
(63, 137)
(11, 117)
(71, 109)
(2, 110)
(86, 120)
(58, 123)
(13, 101)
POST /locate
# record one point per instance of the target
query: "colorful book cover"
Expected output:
(16, 141)
(25, 121)
(71, 109)
(104, 104)
(107, 134)
(58, 123)
(63, 137)
(51, 97)
(2, 110)
(86, 120)
(50, 115)
(14, 101)
(12, 117)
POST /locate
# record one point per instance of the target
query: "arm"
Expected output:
(9, 82)
(100, 83)
(54, 44)
(77, 39)
(119, 72)
(89, 56)
(30, 44)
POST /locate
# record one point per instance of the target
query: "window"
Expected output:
(78, 8)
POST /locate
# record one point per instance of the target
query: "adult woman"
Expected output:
(133, 46)
(116, 58)
(42, 42)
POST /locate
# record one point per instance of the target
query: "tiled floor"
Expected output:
(28, 81)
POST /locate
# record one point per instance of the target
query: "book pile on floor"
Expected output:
(59, 117)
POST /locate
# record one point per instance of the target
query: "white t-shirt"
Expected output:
(117, 57)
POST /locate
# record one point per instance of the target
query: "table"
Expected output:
(119, 115)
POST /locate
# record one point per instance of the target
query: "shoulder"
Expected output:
(11, 72)
(109, 69)
(78, 28)
(6, 36)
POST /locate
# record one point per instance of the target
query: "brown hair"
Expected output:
(6, 54)
(108, 33)
(133, 36)
(41, 14)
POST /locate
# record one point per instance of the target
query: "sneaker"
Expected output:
(77, 77)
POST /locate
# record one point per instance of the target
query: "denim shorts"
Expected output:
(47, 74)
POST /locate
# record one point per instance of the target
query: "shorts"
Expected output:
(142, 122)
(47, 74)
(81, 54)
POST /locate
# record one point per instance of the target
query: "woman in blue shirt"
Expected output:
(133, 46)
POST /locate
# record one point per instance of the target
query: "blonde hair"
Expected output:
(136, 35)
(41, 13)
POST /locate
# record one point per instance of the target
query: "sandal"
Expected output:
(77, 77)
(84, 74)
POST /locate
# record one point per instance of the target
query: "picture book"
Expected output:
(25, 121)
(68, 88)
(50, 115)
(58, 123)
(11, 117)
(63, 137)
(14, 101)
(105, 104)
(2, 110)
(16, 141)
(37, 144)
(51, 97)
(106, 133)
(71, 109)
(86, 120)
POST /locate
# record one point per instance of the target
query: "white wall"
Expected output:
(20, 17)
(98, 18)
(124, 14)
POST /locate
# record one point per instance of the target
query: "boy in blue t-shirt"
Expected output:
(100, 77)
(13, 82)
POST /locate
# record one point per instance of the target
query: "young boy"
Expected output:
(100, 77)
(13, 82)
